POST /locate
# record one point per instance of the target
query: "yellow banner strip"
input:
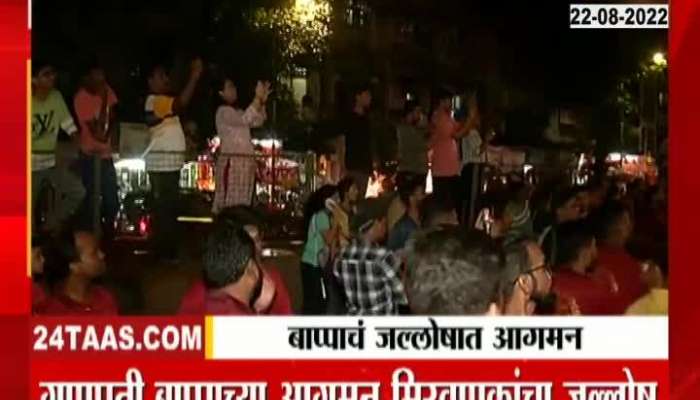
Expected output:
(208, 337)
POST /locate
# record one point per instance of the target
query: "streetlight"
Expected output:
(659, 59)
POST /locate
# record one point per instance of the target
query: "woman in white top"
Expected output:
(235, 166)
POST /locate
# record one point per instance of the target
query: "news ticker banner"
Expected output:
(355, 338)
(350, 358)
(353, 380)
(437, 338)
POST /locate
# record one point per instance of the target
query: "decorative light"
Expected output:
(132, 164)
(581, 160)
(659, 59)
(374, 185)
(268, 143)
(201, 220)
(143, 226)
(614, 157)
(429, 182)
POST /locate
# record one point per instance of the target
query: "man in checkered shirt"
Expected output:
(368, 273)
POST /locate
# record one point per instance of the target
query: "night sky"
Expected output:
(540, 52)
(571, 65)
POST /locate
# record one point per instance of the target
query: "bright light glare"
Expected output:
(374, 186)
(268, 143)
(429, 182)
(132, 164)
(614, 157)
(659, 59)
(201, 220)
(581, 160)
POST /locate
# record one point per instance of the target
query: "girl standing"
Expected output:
(322, 232)
(235, 166)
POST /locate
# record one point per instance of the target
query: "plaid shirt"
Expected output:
(165, 161)
(369, 276)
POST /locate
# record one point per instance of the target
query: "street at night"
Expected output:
(348, 157)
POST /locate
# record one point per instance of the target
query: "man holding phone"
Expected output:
(94, 105)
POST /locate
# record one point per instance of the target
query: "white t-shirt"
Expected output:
(168, 146)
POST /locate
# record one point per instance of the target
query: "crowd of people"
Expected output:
(533, 250)
(569, 255)
(95, 108)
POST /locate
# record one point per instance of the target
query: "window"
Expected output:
(357, 13)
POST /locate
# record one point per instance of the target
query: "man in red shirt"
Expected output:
(94, 106)
(444, 133)
(233, 274)
(615, 230)
(576, 280)
(70, 269)
(274, 297)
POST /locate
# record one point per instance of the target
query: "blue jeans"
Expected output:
(109, 198)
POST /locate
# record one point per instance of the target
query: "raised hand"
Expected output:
(196, 68)
(262, 90)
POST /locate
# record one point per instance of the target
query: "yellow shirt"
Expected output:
(654, 303)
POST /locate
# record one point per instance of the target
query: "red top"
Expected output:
(445, 161)
(192, 302)
(594, 294)
(87, 108)
(223, 304)
(282, 303)
(102, 302)
(627, 272)
(197, 302)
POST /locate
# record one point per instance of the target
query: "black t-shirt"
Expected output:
(359, 146)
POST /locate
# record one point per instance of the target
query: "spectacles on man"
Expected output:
(547, 270)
